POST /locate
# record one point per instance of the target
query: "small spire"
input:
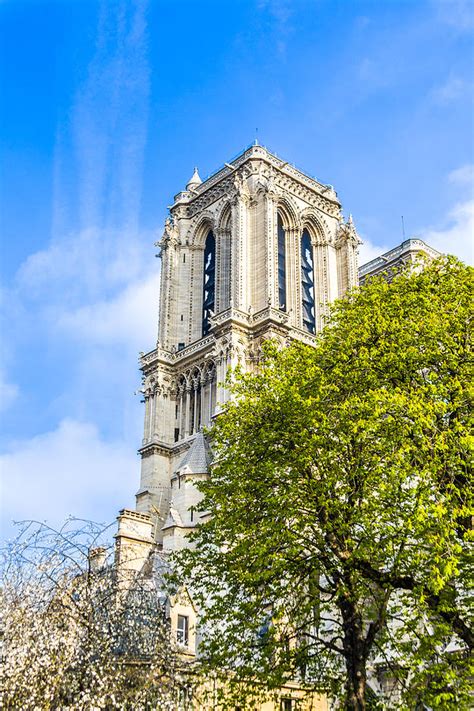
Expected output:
(195, 180)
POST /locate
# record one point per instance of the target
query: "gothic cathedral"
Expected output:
(256, 251)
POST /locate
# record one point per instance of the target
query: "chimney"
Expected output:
(97, 558)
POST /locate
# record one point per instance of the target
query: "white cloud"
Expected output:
(68, 471)
(453, 235)
(84, 264)
(97, 287)
(456, 236)
(369, 250)
(129, 318)
(463, 176)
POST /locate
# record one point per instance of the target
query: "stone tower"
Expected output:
(256, 251)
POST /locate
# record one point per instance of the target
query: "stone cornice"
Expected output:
(286, 177)
(223, 321)
(159, 447)
(155, 447)
(407, 247)
(162, 356)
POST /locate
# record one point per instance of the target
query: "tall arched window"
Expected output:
(209, 282)
(307, 282)
(281, 265)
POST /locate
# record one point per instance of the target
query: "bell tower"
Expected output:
(256, 251)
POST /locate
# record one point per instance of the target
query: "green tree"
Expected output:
(337, 545)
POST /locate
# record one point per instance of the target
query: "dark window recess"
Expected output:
(281, 265)
(182, 630)
(286, 705)
(184, 258)
(209, 283)
(181, 346)
(182, 317)
(307, 282)
(176, 434)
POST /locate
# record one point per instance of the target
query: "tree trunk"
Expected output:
(354, 655)
(355, 686)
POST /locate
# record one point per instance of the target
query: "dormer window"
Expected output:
(209, 283)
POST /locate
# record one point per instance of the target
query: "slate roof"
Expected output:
(198, 457)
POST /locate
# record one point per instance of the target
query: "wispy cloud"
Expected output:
(453, 89)
(8, 392)
(90, 292)
(456, 14)
(280, 12)
(109, 122)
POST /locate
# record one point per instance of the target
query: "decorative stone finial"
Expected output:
(195, 180)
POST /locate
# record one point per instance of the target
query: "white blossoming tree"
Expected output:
(74, 637)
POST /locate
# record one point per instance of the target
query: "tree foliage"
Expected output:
(74, 636)
(337, 547)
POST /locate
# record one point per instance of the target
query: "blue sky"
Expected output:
(106, 108)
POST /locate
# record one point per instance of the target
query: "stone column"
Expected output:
(187, 411)
(195, 405)
(271, 253)
(182, 411)
(151, 415)
(238, 249)
(321, 286)
(203, 403)
(220, 374)
(212, 396)
(157, 415)
(293, 276)
(146, 425)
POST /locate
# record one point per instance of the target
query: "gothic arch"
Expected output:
(288, 212)
(224, 216)
(201, 229)
(208, 371)
(316, 225)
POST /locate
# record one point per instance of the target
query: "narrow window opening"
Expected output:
(281, 265)
(182, 630)
(307, 282)
(184, 258)
(208, 296)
